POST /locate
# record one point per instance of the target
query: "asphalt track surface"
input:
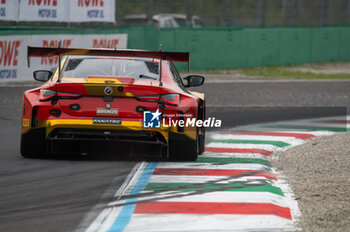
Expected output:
(55, 194)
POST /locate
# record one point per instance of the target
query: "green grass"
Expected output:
(288, 71)
(282, 72)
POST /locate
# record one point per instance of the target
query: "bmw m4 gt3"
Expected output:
(101, 99)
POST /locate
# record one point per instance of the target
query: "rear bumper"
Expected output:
(115, 148)
(86, 124)
(79, 140)
(125, 136)
(43, 119)
(116, 143)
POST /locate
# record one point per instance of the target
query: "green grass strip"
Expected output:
(284, 72)
(189, 187)
(311, 128)
(233, 161)
(274, 143)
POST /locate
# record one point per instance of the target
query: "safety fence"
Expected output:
(229, 47)
(210, 47)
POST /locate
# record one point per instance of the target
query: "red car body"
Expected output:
(97, 99)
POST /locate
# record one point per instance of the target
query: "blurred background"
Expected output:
(246, 13)
(219, 34)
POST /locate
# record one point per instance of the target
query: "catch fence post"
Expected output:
(323, 12)
(260, 14)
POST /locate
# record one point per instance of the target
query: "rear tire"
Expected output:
(201, 137)
(183, 149)
(33, 146)
(201, 142)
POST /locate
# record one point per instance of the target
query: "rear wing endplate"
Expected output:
(47, 52)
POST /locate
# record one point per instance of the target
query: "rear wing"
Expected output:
(170, 56)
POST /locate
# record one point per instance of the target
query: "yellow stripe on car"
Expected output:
(95, 80)
(98, 90)
(87, 124)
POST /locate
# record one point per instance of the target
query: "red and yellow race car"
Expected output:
(101, 99)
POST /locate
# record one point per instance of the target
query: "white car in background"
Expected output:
(176, 20)
(162, 20)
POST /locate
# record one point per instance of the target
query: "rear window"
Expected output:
(182, 22)
(138, 69)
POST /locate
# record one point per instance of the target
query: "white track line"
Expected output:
(313, 124)
(228, 166)
(283, 130)
(202, 223)
(289, 140)
(108, 215)
(217, 196)
(289, 197)
(212, 179)
(234, 155)
(267, 147)
(166, 222)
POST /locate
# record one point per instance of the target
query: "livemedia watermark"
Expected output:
(153, 119)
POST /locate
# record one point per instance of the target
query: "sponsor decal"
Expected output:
(105, 43)
(33, 10)
(3, 12)
(151, 119)
(108, 90)
(47, 13)
(116, 121)
(43, 2)
(58, 10)
(92, 10)
(103, 111)
(93, 13)
(9, 57)
(3, 9)
(9, 10)
(25, 122)
(8, 74)
(13, 51)
(65, 43)
(9, 52)
(87, 3)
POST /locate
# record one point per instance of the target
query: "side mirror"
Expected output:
(194, 80)
(42, 75)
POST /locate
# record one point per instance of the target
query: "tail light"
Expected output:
(168, 99)
(67, 95)
(150, 98)
(48, 94)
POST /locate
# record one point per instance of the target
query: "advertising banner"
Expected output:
(13, 51)
(9, 10)
(58, 10)
(92, 11)
(43, 10)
